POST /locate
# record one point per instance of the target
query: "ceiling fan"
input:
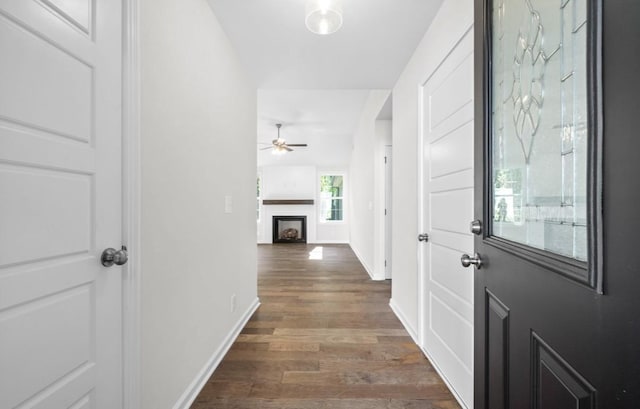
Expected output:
(280, 146)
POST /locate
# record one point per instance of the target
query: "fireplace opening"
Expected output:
(289, 229)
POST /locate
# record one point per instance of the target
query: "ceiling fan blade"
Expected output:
(297, 144)
(287, 148)
(268, 147)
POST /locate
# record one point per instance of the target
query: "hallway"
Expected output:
(324, 337)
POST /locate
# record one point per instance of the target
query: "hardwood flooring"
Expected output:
(324, 337)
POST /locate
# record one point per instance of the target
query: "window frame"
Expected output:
(344, 196)
(590, 272)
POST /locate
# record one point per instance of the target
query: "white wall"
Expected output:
(298, 182)
(198, 133)
(452, 20)
(363, 205)
(288, 182)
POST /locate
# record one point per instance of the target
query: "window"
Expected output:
(540, 125)
(331, 198)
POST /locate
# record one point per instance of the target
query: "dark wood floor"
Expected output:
(324, 337)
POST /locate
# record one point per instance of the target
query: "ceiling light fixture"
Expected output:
(324, 16)
(278, 150)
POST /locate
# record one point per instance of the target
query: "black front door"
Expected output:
(557, 296)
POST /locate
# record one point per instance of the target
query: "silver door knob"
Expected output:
(423, 237)
(467, 260)
(112, 256)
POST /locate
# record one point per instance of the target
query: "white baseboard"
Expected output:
(368, 269)
(405, 322)
(205, 373)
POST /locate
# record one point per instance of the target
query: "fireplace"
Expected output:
(289, 229)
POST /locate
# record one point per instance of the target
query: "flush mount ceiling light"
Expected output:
(324, 16)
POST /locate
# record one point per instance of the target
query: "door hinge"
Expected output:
(385, 263)
(385, 159)
(385, 212)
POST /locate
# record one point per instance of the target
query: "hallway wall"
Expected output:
(452, 20)
(362, 173)
(195, 99)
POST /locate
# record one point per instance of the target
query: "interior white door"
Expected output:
(388, 219)
(447, 209)
(60, 189)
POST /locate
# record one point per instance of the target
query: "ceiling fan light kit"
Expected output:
(278, 150)
(323, 16)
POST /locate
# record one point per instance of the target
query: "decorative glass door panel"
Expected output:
(539, 125)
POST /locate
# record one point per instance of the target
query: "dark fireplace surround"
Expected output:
(289, 229)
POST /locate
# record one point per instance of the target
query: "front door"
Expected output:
(60, 204)
(556, 279)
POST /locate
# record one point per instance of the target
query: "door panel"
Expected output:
(64, 321)
(59, 221)
(456, 204)
(76, 12)
(555, 382)
(56, 86)
(60, 183)
(559, 328)
(454, 332)
(442, 162)
(447, 206)
(497, 341)
(450, 92)
(456, 279)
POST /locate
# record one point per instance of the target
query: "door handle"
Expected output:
(112, 256)
(423, 237)
(467, 260)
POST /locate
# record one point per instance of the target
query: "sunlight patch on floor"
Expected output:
(316, 253)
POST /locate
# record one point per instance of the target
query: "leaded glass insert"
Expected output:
(539, 124)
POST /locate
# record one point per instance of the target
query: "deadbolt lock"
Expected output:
(476, 227)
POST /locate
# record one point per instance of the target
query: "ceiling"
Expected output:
(323, 119)
(320, 79)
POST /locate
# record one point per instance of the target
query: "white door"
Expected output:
(388, 213)
(60, 204)
(447, 209)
